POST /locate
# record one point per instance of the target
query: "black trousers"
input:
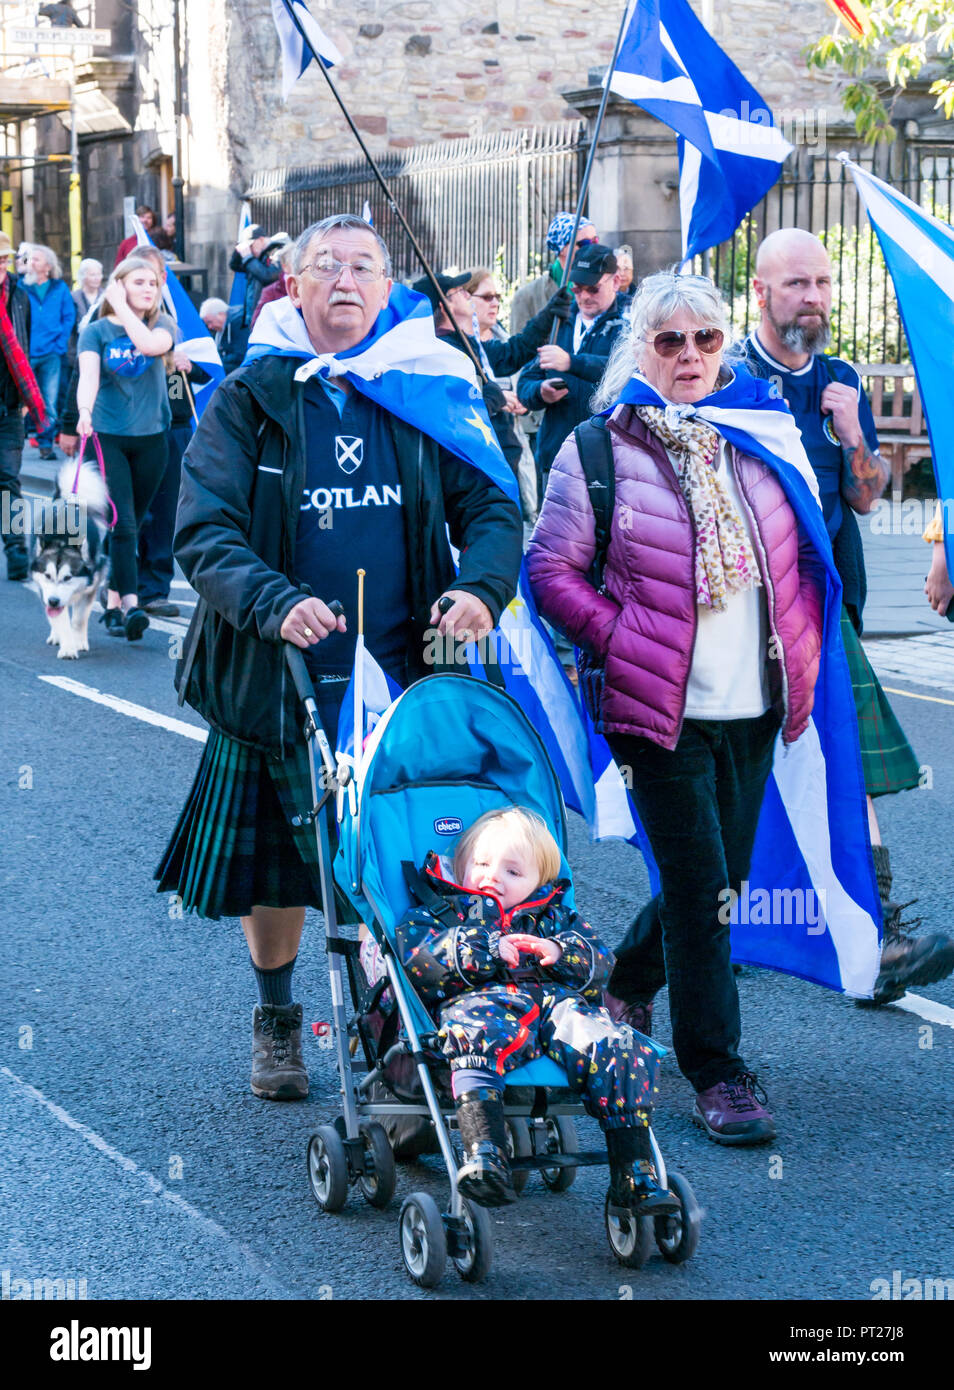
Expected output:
(11, 454)
(156, 565)
(699, 804)
(134, 468)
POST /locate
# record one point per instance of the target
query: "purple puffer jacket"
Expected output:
(642, 629)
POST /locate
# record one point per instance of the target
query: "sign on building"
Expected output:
(51, 38)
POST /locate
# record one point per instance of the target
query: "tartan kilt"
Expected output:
(887, 759)
(234, 845)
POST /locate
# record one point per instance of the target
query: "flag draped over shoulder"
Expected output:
(297, 51)
(730, 151)
(404, 367)
(196, 341)
(810, 906)
(919, 252)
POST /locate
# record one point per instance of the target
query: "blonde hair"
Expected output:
(525, 828)
(127, 267)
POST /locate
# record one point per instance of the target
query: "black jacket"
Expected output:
(18, 307)
(236, 528)
(586, 368)
(258, 274)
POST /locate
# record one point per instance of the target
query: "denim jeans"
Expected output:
(47, 372)
(11, 454)
(699, 804)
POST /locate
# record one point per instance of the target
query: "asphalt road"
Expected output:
(139, 1161)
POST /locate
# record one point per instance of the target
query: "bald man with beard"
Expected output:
(793, 287)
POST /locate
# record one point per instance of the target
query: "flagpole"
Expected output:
(392, 204)
(588, 167)
(185, 382)
(359, 685)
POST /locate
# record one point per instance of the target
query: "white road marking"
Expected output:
(178, 629)
(156, 1187)
(148, 716)
(926, 1008)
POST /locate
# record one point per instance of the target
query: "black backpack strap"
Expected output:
(421, 890)
(595, 448)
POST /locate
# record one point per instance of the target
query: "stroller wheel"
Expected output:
(475, 1265)
(560, 1139)
(630, 1237)
(377, 1185)
(519, 1145)
(423, 1242)
(678, 1236)
(328, 1168)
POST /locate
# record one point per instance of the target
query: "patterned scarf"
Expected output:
(724, 560)
(18, 364)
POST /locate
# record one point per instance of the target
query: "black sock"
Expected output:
(274, 986)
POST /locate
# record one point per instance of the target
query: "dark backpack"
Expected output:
(596, 458)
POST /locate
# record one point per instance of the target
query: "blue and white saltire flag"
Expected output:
(919, 252)
(810, 906)
(730, 150)
(366, 214)
(370, 693)
(404, 367)
(296, 52)
(196, 341)
(239, 278)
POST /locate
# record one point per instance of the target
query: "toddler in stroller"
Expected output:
(511, 973)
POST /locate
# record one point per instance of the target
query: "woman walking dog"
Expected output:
(122, 396)
(709, 574)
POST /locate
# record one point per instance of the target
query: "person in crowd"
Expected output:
(562, 380)
(150, 224)
(279, 289)
(164, 237)
(937, 583)
(53, 315)
(22, 262)
(250, 258)
(708, 574)
(122, 395)
(625, 269)
(793, 287)
(259, 489)
(225, 325)
(89, 283)
(486, 299)
(496, 355)
(529, 299)
(19, 392)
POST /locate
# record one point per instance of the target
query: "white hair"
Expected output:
(51, 258)
(85, 266)
(345, 221)
(658, 298)
(212, 306)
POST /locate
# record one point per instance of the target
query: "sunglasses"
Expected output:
(488, 298)
(670, 344)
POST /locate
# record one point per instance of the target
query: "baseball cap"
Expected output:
(255, 231)
(446, 282)
(591, 263)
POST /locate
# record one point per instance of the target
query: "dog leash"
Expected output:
(98, 450)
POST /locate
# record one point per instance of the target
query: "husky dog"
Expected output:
(69, 562)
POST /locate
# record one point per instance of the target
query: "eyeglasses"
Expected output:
(487, 298)
(588, 289)
(707, 340)
(327, 268)
(457, 289)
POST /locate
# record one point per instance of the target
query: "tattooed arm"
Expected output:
(864, 472)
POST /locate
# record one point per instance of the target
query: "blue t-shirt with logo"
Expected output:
(801, 390)
(352, 515)
(133, 396)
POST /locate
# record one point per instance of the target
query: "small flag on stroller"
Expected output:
(371, 689)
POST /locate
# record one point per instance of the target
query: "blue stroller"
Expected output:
(448, 749)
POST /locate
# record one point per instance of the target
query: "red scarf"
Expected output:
(18, 364)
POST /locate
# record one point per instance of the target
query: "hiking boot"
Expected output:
(638, 1015)
(733, 1112)
(908, 960)
(278, 1071)
(634, 1182)
(484, 1176)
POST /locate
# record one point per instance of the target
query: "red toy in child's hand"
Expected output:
(548, 952)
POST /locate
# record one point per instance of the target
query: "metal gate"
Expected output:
(470, 202)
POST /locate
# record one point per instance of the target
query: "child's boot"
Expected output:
(485, 1173)
(634, 1183)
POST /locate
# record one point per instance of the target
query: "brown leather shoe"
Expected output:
(910, 960)
(278, 1069)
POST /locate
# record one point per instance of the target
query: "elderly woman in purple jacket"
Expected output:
(702, 643)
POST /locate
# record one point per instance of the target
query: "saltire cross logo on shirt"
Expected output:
(349, 452)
